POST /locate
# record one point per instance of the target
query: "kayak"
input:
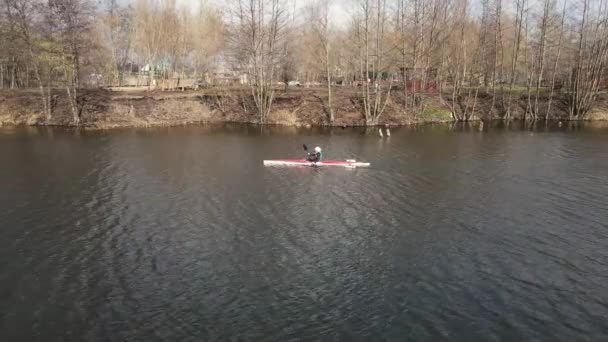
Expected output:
(301, 162)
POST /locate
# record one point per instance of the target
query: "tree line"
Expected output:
(546, 53)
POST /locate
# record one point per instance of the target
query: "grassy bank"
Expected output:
(102, 108)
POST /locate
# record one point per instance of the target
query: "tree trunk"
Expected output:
(541, 67)
(521, 4)
(13, 74)
(555, 66)
(329, 97)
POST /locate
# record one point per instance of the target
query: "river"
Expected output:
(181, 234)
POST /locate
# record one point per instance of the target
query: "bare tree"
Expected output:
(321, 26)
(24, 16)
(118, 27)
(7, 40)
(519, 18)
(590, 58)
(69, 22)
(454, 56)
(150, 36)
(403, 48)
(529, 62)
(208, 38)
(498, 55)
(541, 55)
(258, 30)
(417, 44)
(557, 59)
(370, 35)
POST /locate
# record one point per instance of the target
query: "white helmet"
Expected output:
(317, 149)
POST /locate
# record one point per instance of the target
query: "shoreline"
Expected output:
(102, 109)
(470, 126)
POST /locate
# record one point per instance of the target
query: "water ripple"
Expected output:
(182, 234)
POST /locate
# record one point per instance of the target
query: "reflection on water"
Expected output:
(182, 234)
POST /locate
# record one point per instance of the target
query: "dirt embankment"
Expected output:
(101, 108)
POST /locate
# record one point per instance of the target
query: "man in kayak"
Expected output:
(315, 156)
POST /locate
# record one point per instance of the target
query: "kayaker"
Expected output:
(315, 156)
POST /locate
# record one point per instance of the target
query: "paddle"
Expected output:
(306, 149)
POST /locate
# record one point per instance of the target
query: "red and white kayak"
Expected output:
(351, 163)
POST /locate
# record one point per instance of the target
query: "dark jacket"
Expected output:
(314, 157)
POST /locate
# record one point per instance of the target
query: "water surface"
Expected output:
(181, 234)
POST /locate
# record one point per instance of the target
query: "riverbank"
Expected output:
(103, 108)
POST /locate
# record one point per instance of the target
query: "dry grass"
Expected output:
(283, 117)
(301, 106)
